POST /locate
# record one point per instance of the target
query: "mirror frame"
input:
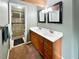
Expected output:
(60, 13)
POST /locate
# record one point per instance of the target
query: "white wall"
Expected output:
(3, 22)
(3, 13)
(66, 27)
(76, 28)
(31, 17)
(50, 2)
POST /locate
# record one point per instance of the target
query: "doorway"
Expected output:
(17, 23)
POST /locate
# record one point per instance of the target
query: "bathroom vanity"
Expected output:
(47, 42)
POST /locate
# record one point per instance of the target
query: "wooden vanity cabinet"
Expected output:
(48, 49)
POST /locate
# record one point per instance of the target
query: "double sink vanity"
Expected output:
(47, 42)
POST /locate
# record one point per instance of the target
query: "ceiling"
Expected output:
(40, 3)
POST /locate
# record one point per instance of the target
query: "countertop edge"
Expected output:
(48, 37)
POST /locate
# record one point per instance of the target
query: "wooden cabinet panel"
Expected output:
(57, 49)
(37, 41)
(48, 43)
(34, 40)
(41, 45)
(48, 49)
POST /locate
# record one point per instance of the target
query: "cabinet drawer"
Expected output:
(33, 35)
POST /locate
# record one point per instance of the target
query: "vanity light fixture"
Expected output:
(47, 10)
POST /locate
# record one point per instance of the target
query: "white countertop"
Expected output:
(47, 33)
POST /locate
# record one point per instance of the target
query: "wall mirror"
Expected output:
(52, 14)
(55, 13)
(41, 17)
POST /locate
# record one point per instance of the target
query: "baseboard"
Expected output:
(29, 42)
(8, 53)
(21, 44)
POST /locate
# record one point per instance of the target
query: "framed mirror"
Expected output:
(55, 16)
(41, 17)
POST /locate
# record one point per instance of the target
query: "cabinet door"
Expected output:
(34, 39)
(41, 45)
(48, 53)
(37, 41)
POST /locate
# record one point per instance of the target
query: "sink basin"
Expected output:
(44, 31)
(47, 33)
